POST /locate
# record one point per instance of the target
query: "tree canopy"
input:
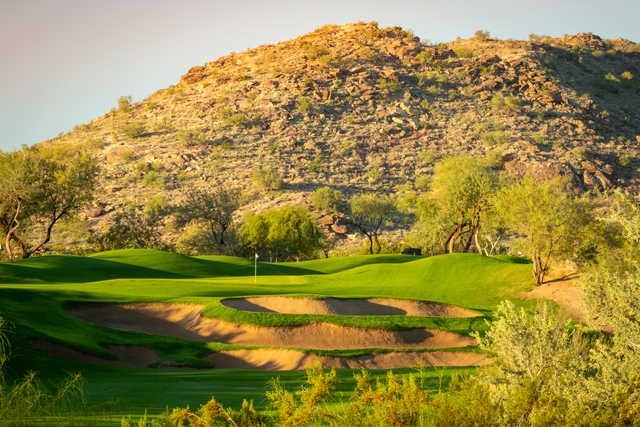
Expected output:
(369, 212)
(40, 187)
(288, 232)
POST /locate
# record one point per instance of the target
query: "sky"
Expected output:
(65, 62)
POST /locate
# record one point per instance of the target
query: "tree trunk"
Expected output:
(370, 237)
(27, 252)
(13, 226)
(451, 241)
(378, 246)
(477, 242)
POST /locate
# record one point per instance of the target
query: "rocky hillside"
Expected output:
(359, 107)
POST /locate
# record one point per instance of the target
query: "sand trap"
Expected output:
(347, 307)
(185, 321)
(132, 356)
(286, 360)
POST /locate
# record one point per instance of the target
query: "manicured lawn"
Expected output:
(33, 294)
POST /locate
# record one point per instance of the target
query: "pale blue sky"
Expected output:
(65, 62)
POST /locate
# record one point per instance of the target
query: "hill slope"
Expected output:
(360, 107)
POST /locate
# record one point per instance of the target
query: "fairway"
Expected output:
(149, 329)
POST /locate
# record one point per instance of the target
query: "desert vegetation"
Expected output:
(331, 207)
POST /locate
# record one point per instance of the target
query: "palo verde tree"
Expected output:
(213, 206)
(289, 232)
(40, 187)
(549, 220)
(459, 198)
(369, 212)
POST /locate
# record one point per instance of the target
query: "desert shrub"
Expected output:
(626, 75)
(506, 103)
(267, 178)
(210, 414)
(192, 137)
(304, 406)
(624, 160)
(425, 57)
(231, 118)
(305, 106)
(482, 35)
(375, 174)
(134, 129)
(388, 85)
(124, 103)
(393, 402)
(463, 52)
(494, 138)
(327, 198)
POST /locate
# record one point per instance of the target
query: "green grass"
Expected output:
(34, 292)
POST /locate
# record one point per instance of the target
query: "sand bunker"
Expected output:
(185, 321)
(285, 360)
(132, 356)
(347, 307)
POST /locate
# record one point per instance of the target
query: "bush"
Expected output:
(494, 138)
(327, 199)
(134, 129)
(502, 103)
(267, 178)
(192, 137)
(482, 35)
(124, 103)
(463, 52)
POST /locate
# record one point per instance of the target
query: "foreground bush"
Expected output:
(24, 401)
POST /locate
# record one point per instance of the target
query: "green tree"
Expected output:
(288, 232)
(550, 221)
(327, 198)
(461, 192)
(369, 212)
(42, 186)
(129, 229)
(213, 206)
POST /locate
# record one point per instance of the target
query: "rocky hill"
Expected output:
(359, 107)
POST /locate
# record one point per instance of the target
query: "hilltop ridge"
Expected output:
(362, 108)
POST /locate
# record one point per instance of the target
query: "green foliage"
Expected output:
(388, 86)
(267, 178)
(551, 221)
(42, 186)
(124, 104)
(327, 198)
(302, 407)
(458, 202)
(192, 137)
(463, 52)
(506, 103)
(482, 35)
(285, 233)
(214, 206)
(134, 129)
(494, 138)
(231, 118)
(370, 212)
(129, 229)
(27, 400)
(305, 106)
